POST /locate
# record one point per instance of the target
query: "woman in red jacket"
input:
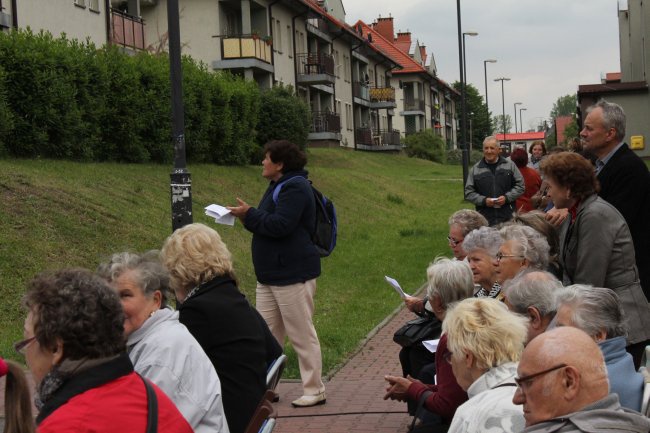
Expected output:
(74, 346)
(532, 180)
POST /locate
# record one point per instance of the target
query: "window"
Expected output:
(337, 63)
(348, 116)
(289, 42)
(372, 78)
(93, 5)
(277, 43)
(80, 3)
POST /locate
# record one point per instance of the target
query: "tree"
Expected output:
(564, 106)
(477, 116)
(497, 120)
(571, 131)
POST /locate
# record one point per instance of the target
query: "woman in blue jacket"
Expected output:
(286, 261)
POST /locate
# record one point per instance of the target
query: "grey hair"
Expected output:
(485, 238)
(491, 138)
(593, 309)
(149, 273)
(533, 289)
(529, 243)
(451, 280)
(613, 117)
(467, 220)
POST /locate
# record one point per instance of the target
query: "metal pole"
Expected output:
(487, 114)
(515, 105)
(521, 120)
(181, 180)
(503, 105)
(462, 97)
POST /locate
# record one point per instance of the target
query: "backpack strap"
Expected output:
(152, 407)
(278, 187)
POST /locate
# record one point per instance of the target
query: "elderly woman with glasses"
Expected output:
(597, 311)
(522, 248)
(449, 281)
(75, 349)
(160, 347)
(595, 243)
(485, 342)
(482, 246)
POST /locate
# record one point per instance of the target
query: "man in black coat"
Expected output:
(623, 176)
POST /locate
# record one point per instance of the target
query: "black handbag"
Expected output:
(417, 330)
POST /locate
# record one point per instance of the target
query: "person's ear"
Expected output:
(570, 382)
(436, 304)
(469, 360)
(57, 352)
(600, 336)
(157, 298)
(535, 317)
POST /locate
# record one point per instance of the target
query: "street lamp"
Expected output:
(516, 103)
(503, 105)
(487, 114)
(463, 117)
(470, 33)
(521, 120)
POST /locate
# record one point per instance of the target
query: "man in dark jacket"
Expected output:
(494, 184)
(623, 176)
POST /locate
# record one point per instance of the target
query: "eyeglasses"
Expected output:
(20, 346)
(447, 356)
(453, 242)
(500, 255)
(525, 381)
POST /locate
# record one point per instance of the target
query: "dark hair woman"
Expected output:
(537, 152)
(286, 260)
(595, 243)
(74, 346)
(18, 405)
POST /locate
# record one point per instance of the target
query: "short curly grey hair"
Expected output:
(451, 280)
(532, 289)
(593, 309)
(149, 273)
(528, 243)
(78, 308)
(484, 238)
(467, 220)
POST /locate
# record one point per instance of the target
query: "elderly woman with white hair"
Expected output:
(485, 342)
(461, 223)
(449, 281)
(523, 248)
(597, 311)
(481, 246)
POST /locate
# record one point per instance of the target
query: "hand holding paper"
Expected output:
(220, 214)
(393, 282)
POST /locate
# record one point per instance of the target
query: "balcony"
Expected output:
(126, 30)
(315, 68)
(377, 139)
(245, 52)
(413, 105)
(5, 20)
(325, 125)
(382, 97)
(360, 90)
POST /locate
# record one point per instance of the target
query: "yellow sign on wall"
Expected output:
(636, 142)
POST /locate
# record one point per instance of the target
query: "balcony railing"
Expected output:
(363, 136)
(127, 30)
(382, 94)
(412, 104)
(360, 90)
(245, 47)
(325, 121)
(389, 137)
(315, 63)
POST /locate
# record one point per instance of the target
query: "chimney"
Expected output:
(384, 26)
(404, 37)
(423, 53)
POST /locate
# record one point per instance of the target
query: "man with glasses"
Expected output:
(563, 387)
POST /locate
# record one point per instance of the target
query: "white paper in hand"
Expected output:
(220, 214)
(393, 282)
(431, 345)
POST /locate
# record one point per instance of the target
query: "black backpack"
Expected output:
(324, 235)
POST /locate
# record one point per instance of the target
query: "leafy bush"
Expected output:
(283, 116)
(426, 145)
(455, 156)
(6, 117)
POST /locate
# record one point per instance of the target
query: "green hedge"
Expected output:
(67, 99)
(426, 145)
(283, 116)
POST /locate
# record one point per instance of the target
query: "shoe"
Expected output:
(309, 400)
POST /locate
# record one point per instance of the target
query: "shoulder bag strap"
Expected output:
(152, 407)
(420, 409)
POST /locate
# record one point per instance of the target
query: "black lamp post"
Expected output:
(487, 114)
(181, 180)
(521, 120)
(503, 105)
(470, 33)
(515, 105)
(463, 115)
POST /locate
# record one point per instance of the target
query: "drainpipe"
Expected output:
(270, 9)
(14, 13)
(107, 7)
(354, 122)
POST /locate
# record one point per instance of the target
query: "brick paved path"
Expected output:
(356, 389)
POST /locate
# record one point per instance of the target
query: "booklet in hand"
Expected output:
(393, 282)
(220, 214)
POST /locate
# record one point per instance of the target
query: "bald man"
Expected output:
(563, 387)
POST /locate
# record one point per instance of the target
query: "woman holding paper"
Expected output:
(286, 261)
(449, 281)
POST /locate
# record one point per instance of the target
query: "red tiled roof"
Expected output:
(522, 136)
(409, 65)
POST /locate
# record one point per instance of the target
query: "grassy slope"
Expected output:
(392, 218)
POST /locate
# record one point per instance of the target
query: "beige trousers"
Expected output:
(288, 310)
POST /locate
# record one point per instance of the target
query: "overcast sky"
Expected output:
(546, 47)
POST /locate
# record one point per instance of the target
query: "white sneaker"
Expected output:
(309, 400)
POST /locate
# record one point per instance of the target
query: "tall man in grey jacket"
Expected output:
(493, 184)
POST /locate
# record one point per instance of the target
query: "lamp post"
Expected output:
(181, 180)
(463, 117)
(487, 114)
(516, 103)
(470, 33)
(503, 105)
(521, 120)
